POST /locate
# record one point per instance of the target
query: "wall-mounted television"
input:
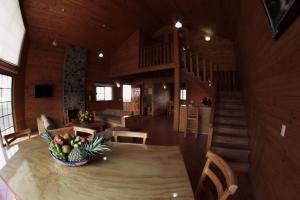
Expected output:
(281, 13)
(43, 91)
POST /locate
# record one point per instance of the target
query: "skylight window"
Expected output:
(12, 31)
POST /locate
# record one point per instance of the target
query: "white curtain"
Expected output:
(12, 31)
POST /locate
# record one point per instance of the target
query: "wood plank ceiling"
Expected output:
(104, 24)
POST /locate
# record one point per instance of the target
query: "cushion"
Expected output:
(116, 112)
(48, 124)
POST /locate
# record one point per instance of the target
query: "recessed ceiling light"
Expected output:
(62, 10)
(178, 24)
(207, 38)
(101, 55)
(103, 25)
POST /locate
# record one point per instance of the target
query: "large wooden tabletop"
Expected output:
(131, 171)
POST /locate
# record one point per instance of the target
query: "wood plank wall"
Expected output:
(270, 76)
(219, 50)
(126, 58)
(44, 65)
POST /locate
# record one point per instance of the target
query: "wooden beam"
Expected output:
(211, 78)
(176, 80)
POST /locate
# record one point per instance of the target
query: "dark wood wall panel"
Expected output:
(126, 58)
(219, 50)
(270, 76)
(44, 65)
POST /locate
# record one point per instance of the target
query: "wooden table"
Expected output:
(131, 171)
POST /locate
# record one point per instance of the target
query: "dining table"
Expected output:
(127, 171)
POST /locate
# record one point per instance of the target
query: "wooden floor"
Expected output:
(160, 132)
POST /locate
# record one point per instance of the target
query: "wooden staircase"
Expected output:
(230, 132)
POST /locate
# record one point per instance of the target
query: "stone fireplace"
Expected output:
(74, 82)
(73, 115)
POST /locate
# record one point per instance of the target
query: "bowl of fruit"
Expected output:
(70, 150)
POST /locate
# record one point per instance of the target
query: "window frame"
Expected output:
(7, 115)
(104, 86)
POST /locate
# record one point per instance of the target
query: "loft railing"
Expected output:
(157, 54)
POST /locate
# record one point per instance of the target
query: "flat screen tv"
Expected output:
(43, 91)
(281, 13)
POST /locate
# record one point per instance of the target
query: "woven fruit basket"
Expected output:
(72, 150)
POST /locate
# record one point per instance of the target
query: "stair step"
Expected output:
(239, 166)
(230, 134)
(232, 155)
(242, 141)
(230, 106)
(237, 131)
(230, 146)
(230, 120)
(229, 94)
(234, 113)
(230, 100)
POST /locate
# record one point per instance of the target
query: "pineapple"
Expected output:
(78, 154)
(47, 136)
(88, 150)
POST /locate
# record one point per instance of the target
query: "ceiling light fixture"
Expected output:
(178, 24)
(101, 55)
(54, 43)
(207, 38)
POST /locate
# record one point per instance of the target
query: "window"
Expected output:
(126, 93)
(183, 94)
(104, 93)
(6, 113)
(12, 31)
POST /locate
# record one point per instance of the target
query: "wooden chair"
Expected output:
(84, 130)
(230, 178)
(9, 138)
(132, 134)
(192, 120)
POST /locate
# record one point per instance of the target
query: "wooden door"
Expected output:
(136, 100)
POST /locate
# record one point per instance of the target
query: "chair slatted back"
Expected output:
(84, 130)
(230, 178)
